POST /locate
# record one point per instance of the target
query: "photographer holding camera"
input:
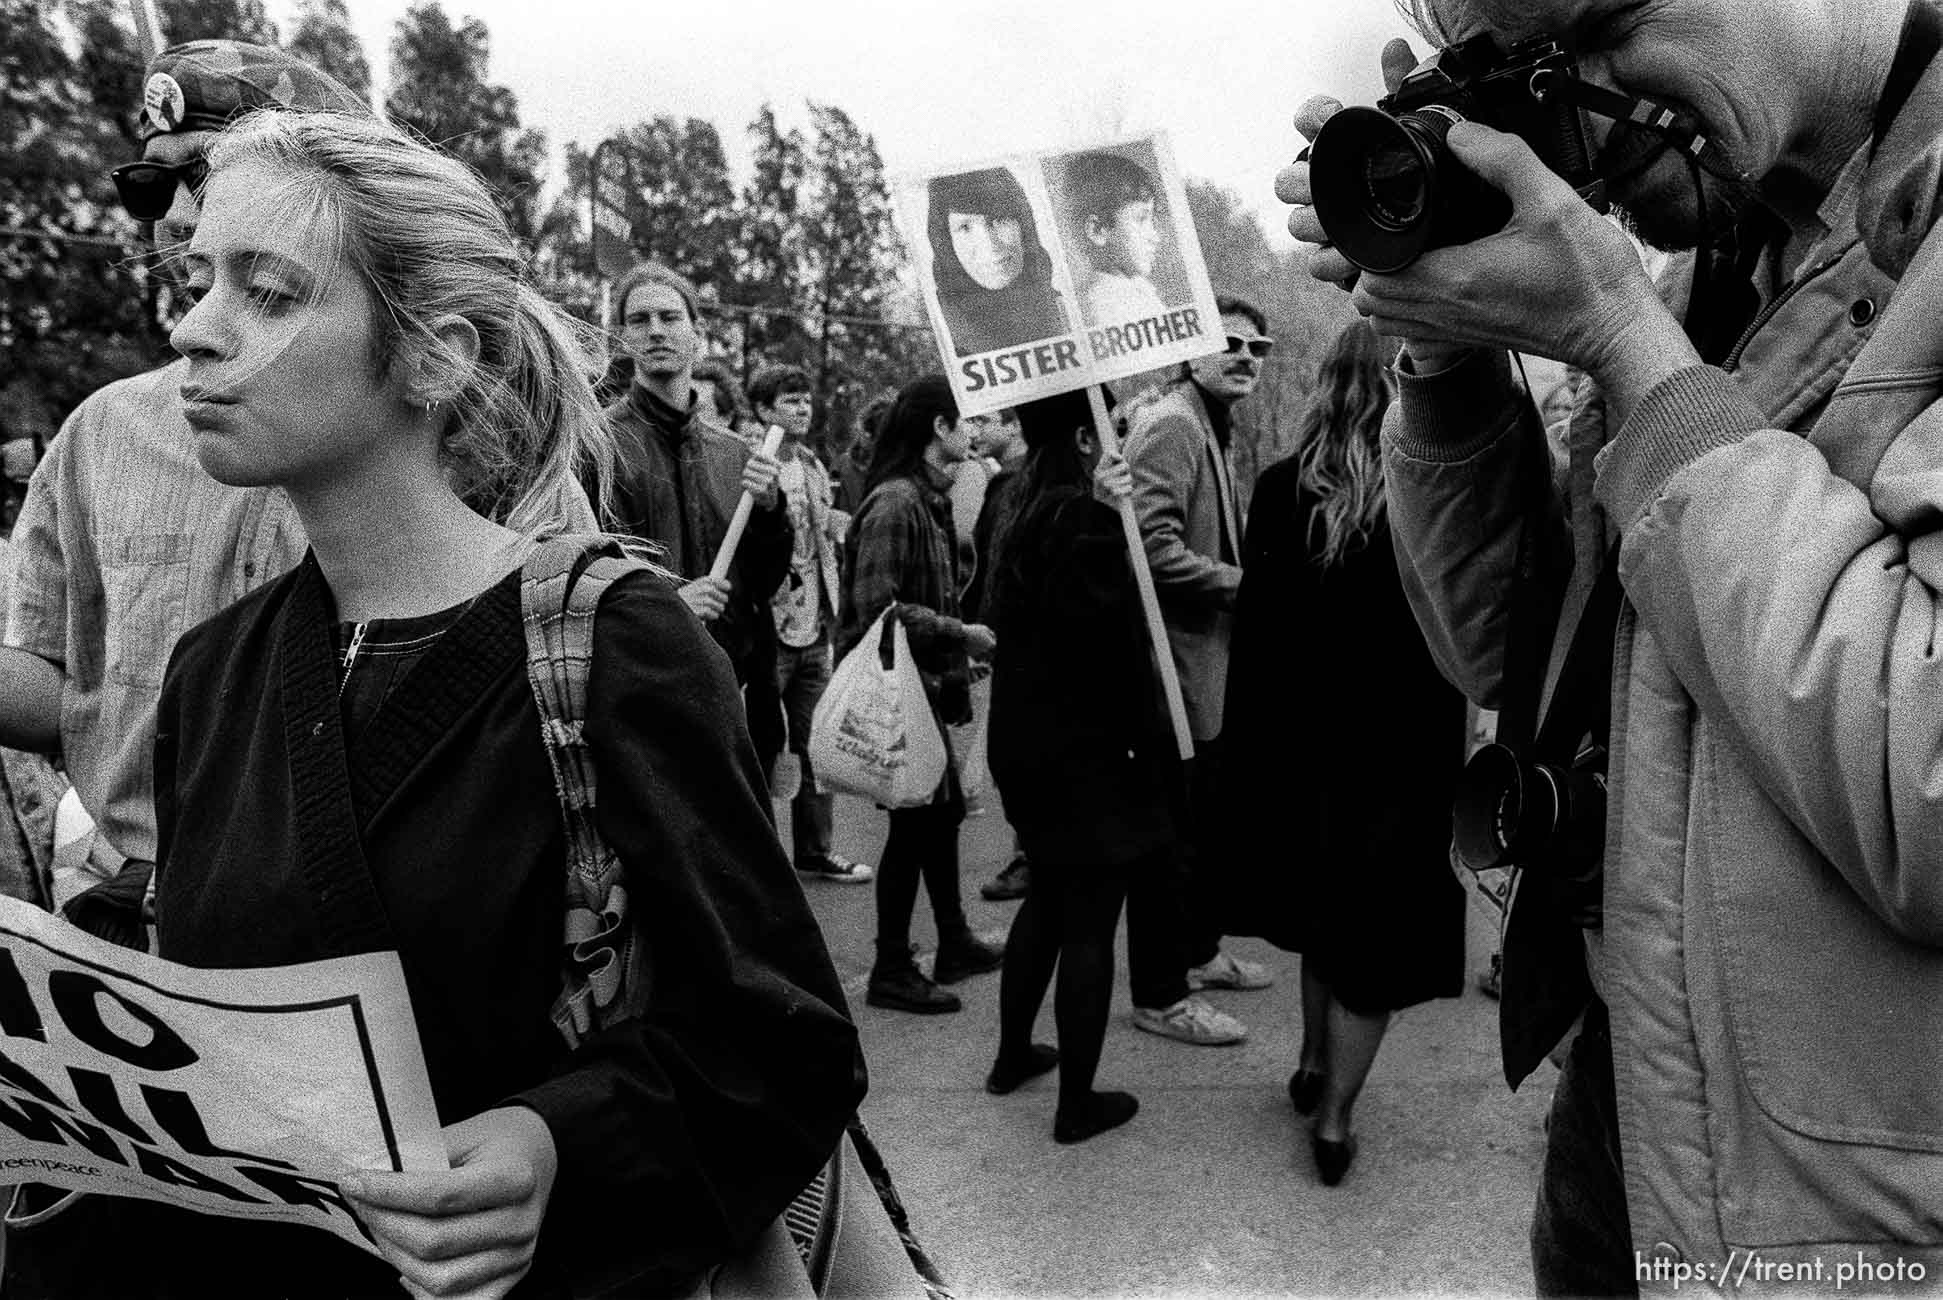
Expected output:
(1733, 588)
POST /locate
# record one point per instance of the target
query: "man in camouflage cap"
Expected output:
(124, 542)
(190, 92)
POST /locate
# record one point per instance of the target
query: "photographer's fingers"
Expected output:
(1398, 61)
(1316, 110)
(1507, 163)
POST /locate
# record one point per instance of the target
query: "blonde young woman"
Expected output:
(350, 760)
(1348, 745)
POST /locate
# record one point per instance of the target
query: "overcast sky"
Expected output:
(936, 84)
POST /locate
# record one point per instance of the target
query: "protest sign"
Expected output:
(1058, 270)
(244, 1093)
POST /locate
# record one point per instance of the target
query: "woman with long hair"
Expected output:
(351, 760)
(1349, 746)
(901, 550)
(994, 277)
(1081, 752)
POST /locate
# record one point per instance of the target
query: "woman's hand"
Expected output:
(980, 640)
(1112, 479)
(469, 1231)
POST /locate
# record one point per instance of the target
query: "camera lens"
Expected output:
(1387, 189)
(1396, 185)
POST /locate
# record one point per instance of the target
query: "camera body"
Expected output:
(1387, 188)
(1512, 809)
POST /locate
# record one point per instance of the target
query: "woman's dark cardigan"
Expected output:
(437, 832)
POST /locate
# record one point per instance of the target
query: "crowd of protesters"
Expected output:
(265, 603)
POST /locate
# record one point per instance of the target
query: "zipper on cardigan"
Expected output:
(351, 655)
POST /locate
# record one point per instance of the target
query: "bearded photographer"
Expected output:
(1766, 485)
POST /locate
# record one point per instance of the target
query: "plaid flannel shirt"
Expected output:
(902, 548)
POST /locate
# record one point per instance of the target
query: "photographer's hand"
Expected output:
(1558, 281)
(1292, 186)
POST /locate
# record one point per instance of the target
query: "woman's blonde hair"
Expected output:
(520, 427)
(1338, 451)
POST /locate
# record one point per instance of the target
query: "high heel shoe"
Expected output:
(1305, 1091)
(1333, 1158)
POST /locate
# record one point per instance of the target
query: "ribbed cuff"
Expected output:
(1686, 415)
(1452, 414)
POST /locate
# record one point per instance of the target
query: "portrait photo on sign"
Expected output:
(987, 257)
(1117, 223)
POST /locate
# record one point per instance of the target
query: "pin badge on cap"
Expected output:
(164, 102)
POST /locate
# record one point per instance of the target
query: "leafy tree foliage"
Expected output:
(1303, 315)
(207, 20)
(325, 39)
(75, 311)
(439, 89)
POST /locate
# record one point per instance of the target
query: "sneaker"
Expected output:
(1191, 1021)
(834, 866)
(1010, 883)
(964, 957)
(906, 989)
(1223, 971)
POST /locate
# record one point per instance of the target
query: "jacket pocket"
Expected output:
(145, 583)
(1823, 1089)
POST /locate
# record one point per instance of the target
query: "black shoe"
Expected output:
(1333, 1158)
(1098, 1113)
(1010, 883)
(1008, 1075)
(1305, 1091)
(906, 989)
(964, 957)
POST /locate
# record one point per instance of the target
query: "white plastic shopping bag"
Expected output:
(968, 740)
(873, 733)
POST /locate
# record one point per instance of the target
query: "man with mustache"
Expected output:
(1733, 589)
(1177, 446)
(124, 542)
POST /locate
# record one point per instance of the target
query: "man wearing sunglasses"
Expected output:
(123, 541)
(1177, 446)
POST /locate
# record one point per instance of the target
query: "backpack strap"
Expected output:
(560, 590)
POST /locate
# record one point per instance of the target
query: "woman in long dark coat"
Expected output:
(1346, 745)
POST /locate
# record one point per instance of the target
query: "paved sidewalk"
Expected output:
(1211, 1189)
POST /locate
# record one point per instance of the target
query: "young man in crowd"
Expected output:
(805, 610)
(1177, 445)
(1732, 592)
(678, 474)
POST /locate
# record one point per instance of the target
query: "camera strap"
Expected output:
(1922, 38)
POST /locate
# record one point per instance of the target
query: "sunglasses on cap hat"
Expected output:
(147, 189)
(1257, 347)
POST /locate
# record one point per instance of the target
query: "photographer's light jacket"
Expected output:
(1773, 945)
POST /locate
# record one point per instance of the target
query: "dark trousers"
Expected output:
(802, 674)
(1171, 906)
(923, 842)
(1210, 852)
(1581, 1236)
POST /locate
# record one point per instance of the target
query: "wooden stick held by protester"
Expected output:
(726, 556)
(1170, 680)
